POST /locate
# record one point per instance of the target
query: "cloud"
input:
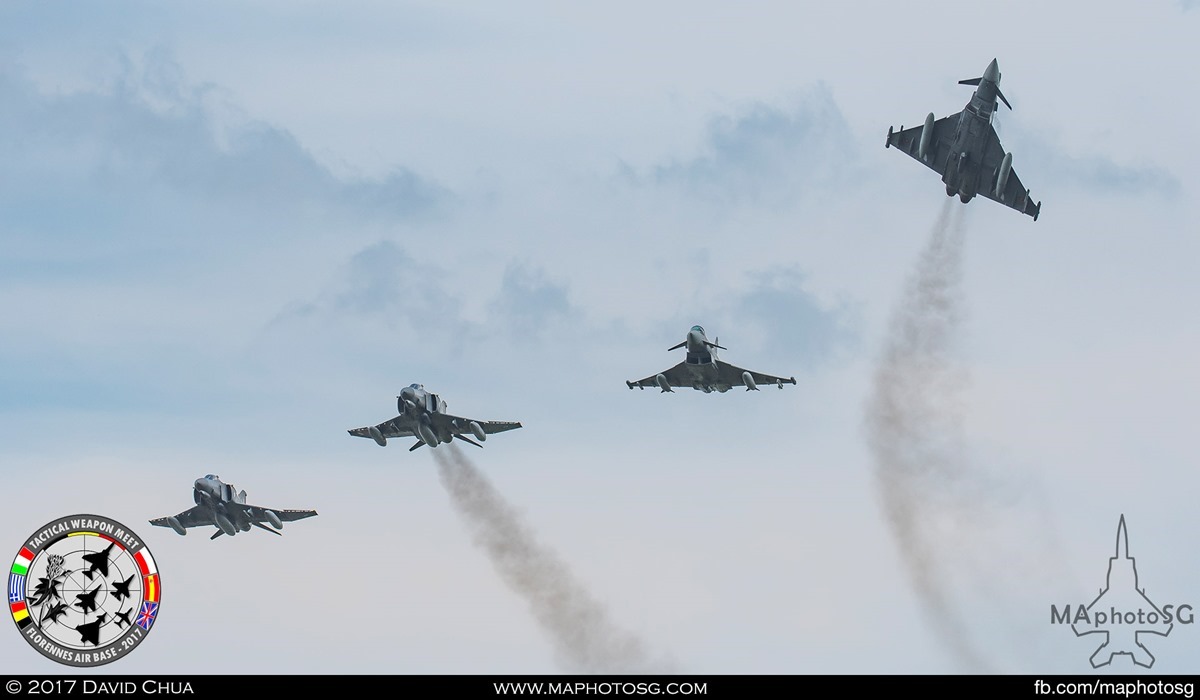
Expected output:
(767, 154)
(1095, 173)
(164, 228)
(112, 155)
(528, 301)
(793, 321)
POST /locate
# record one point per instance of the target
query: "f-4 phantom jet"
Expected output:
(423, 416)
(217, 503)
(701, 370)
(965, 150)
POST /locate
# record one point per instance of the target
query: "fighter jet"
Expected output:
(122, 618)
(965, 150)
(423, 416)
(91, 631)
(87, 600)
(121, 588)
(218, 504)
(98, 561)
(701, 370)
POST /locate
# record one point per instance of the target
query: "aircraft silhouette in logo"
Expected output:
(1123, 599)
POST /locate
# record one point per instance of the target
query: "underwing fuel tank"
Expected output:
(477, 431)
(274, 519)
(426, 434)
(663, 384)
(749, 381)
(225, 524)
(176, 525)
(377, 436)
(1002, 177)
(926, 137)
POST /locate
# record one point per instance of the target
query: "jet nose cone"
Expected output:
(199, 485)
(993, 72)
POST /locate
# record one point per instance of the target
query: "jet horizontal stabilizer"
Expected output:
(467, 439)
(264, 527)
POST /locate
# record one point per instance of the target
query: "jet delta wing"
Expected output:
(1014, 193)
(701, 370)
(937, 149)
(736, 376)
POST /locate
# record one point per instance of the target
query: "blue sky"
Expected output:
(230, 233)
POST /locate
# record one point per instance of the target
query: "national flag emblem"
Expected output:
(21, 615)
(145, 562)
(16, 588)
(150, 586)
(146, 616)
(21, 563)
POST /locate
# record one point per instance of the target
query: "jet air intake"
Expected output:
(926, 136)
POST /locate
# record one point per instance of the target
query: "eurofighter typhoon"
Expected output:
(702, 371)
(965, 150)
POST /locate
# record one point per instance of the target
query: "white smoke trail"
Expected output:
(585, 639)
(914, 422)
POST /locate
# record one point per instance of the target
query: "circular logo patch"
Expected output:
(84, 590)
